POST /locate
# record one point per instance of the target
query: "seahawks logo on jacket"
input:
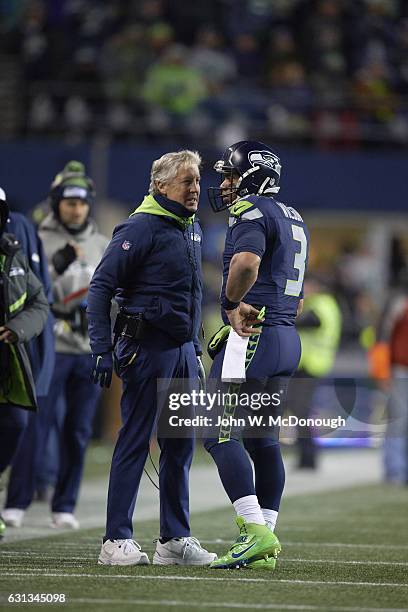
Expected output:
(17, 272)
(195, 237)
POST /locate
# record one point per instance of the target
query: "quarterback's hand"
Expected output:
(102, 369)
(201, 373)
(243, 318)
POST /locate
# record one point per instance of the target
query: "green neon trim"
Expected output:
(151, 207)
(219, 336)
(261, 313)
(21, 300)
(18, 303)
(19, 394)
(229, 409)
(240, 207)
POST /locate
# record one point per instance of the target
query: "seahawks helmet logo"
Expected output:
(265, 158)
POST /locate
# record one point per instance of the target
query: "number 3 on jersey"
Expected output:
(294, 287)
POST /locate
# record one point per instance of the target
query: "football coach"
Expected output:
(152, 268)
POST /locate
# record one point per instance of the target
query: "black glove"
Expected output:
(63, 258)
(201, 373)
(102, 369)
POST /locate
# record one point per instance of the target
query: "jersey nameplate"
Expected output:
(289, 212)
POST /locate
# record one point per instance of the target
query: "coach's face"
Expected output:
(184, 188)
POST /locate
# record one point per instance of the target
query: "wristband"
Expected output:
(228, 305)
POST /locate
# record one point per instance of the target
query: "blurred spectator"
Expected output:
(337, 70)
(210, 58)
(357, 286)
(389, 367)
(124, 60)
(173, 86)
(319, 326)
(248, 57)
(281, 48)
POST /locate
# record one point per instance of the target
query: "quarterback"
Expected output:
(265, 258)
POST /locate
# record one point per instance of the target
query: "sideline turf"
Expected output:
(326, 538)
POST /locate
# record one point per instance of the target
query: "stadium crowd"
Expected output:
(333, 72)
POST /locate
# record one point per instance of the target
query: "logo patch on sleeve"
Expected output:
(195, 237)
(126, 245)
(17, 272)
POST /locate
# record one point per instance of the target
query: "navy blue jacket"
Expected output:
(278, 235)
(152, 266)
(41, 349)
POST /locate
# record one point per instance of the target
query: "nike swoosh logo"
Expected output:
(235, 556)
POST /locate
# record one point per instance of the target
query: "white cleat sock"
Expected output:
(248, 507)
(271, 517)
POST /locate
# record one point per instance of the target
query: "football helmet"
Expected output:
(258, 169)
(4, 211)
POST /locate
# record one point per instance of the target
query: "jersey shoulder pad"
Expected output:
(247, 208)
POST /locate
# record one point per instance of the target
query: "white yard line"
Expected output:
(204, 579)
(96, 543)
(233, 605)
(13, 554)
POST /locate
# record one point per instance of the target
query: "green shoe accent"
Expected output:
(255, 543)
(263, 564)
(2, 528)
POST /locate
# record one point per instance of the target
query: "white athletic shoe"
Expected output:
(182, 551)
(122, 552)
(13, 517)
(61, 520)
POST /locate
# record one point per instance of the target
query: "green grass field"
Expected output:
(346, 550)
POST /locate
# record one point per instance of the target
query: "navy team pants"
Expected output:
(140, 364)
(13, 421)
(72, 378)
(272, 358)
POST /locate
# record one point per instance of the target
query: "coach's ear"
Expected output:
(162, 187)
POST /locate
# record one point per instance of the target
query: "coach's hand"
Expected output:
(102, 369)
(243, 318)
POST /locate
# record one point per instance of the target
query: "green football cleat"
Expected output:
(256, 543)
(2, 528)
(263, 564)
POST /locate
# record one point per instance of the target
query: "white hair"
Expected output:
(166, 167)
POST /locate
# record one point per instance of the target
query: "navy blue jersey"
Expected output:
(278, 235)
